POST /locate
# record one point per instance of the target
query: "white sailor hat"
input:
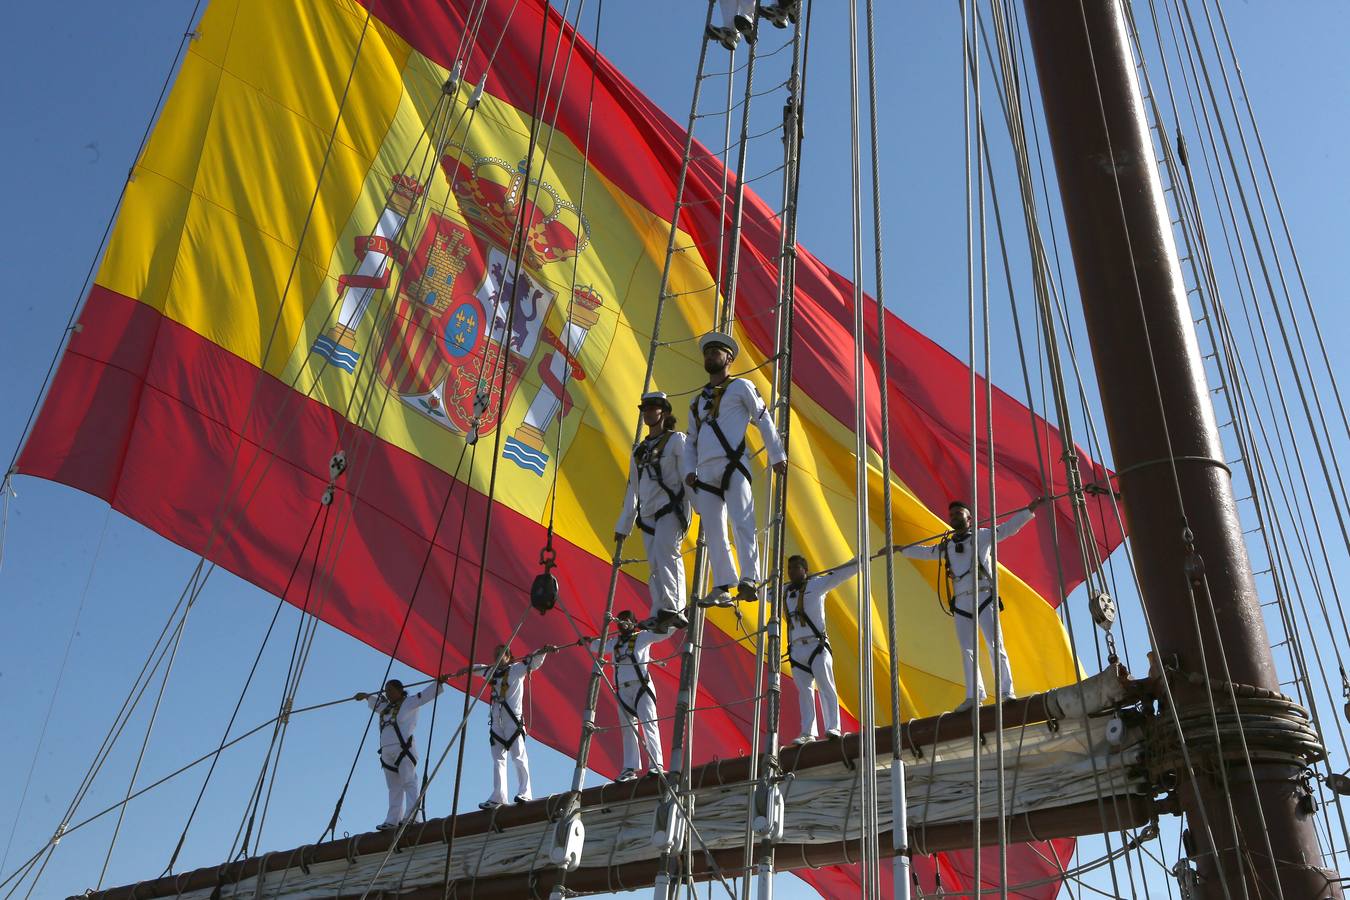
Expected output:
(657, 397)
(723, 340)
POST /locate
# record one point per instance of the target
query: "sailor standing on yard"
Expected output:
(506, 718)
(809, 644)
(964, 580)
(398, 754)
(656, 501)
(738, 18)
(715, 466)
(632, 652)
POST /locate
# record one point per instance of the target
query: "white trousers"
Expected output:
(819, 678)
(732, 8)
(520, 761)
(403, 787)
(643, 727)
(739, 508)
(666, 581)
(965, 635)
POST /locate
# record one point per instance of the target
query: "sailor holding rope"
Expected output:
(398, 754)
(506, 718)
(657, 502)
(809, 643)
(964, 579)
(631, 648)
(715, 466)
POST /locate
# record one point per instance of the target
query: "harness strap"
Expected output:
(981, 608)
(735, 455)
(389, 719)
(625, 654)
(822, 639)
(499, 685)
(647, 456)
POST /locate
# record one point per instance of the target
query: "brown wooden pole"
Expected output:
(1182, 515)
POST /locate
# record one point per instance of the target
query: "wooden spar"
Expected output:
(1108, 690)
(1161, 421)
(1112, 814)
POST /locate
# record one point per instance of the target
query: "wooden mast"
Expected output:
(1184, 529)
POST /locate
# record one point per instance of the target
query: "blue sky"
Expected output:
(84, 592)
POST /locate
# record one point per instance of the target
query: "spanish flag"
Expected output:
(315, 254)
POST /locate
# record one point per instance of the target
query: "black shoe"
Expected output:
(727, 37)
(719, 596)
(664, 620)
(780, 14)
(489, 804)
(746, 591)
(627, 775)
(521, 798)
(385, 826)
(656, 772)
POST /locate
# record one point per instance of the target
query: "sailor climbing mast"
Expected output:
(1195, 577)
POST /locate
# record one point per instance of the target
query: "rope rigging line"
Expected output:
(1010, 102)
(1241, 418)
(189, 35)
(140, 685)
(870, 852)
(1239, 414)
(56, 689)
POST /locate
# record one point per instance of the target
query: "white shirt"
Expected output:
(514, 698)
(406, 716)
(741, 406)
(960, 554)
(810, 599)
(645, 496)
(635, 670)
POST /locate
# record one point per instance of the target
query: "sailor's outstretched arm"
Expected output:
(832, 578)
(759, 414)
(921, 551)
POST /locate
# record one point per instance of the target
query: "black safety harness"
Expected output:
(800, 615)
(625, 653)
(647, 459)
(389, 719)
(952, 579)
(711, 397)
(500, 679)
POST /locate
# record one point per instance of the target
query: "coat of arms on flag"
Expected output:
(473, 302)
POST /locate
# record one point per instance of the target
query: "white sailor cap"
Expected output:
(655, 397)
(720, 339)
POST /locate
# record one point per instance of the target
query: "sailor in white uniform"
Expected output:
(658, 503)
(631, 649)
(738, 18)
(965, 581)
(398, 754)
(716, 466)
(809, 642)
(506, 719)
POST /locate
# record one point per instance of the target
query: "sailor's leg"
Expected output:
(729, 10)
(988, 622)
(498, 773)
(829, 695)
(628, 726)
(521, 760)
(713, 512)
(965, 636)
(651, 734)
(391, 781)
(663, 561)
(407, 776)
(806, 699)
(741, 511)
